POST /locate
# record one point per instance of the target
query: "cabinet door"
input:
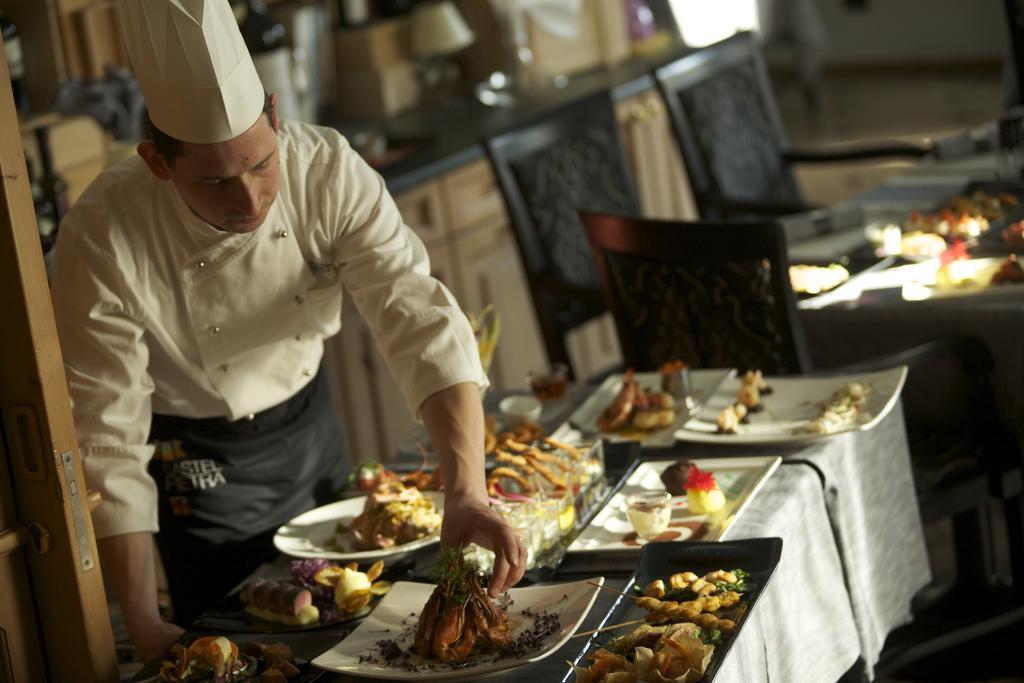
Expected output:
(490, 272)
(661, 180)
(373, 411)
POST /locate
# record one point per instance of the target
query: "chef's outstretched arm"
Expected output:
(454, 420)
(130, 570)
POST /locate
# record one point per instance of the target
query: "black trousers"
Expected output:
(225, 487)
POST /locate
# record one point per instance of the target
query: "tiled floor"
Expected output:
(910, 107)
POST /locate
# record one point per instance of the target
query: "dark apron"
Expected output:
(225, 487)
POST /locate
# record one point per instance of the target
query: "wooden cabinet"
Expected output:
(657, 164)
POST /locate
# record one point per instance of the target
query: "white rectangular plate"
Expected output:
(793, 403)
(310, 534)
(739, 478)
(583, 422)
(396, 616)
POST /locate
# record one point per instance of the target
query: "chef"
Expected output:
(194, 287)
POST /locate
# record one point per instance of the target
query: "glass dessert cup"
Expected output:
(649, 513)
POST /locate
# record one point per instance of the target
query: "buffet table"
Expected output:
(844, 507)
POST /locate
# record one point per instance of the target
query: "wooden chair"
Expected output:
(728, 128)
(715, 295)
(718, 294)
(548, 170)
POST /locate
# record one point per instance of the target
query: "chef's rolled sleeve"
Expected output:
(418, 325)
(105, 361)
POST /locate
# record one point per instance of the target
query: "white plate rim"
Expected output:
(767, 465)
(586, 413)
(332, 512)
(900, 371)
(583, 586)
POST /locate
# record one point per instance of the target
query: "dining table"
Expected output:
(843, 505)
(885, 310)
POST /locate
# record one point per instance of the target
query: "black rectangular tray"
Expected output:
(758, 556)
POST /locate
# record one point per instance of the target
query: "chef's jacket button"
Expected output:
(299, 299)
(307, 372)
(224, 368)
(201, 264)
(298, 337)
(250, 417)
(282, 233)
(215, 329)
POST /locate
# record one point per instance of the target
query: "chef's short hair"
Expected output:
(170, 148)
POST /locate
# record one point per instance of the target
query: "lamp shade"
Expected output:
(439, 29)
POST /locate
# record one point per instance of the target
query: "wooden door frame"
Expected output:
(45, 468)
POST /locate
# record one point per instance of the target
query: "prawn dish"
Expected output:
(638, 408)
(459, 618)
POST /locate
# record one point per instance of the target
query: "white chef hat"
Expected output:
(195, 72)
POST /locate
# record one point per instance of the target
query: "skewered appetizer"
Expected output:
(689, 616)
(393, 515)
(459, 619)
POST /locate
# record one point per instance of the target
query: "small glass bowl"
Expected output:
(519, 410)
(550, 383)
(649, 512)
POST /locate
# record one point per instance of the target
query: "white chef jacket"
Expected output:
(158, 311)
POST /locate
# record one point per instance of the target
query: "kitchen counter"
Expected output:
(452, 131)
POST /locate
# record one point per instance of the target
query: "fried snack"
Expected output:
(573, 452)
(544, 471)
(672, 653)
(510, 459)
(528, 432)
(655, 589)
(549, 458)
(500, 473)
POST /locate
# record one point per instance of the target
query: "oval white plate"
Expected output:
(796, 401)
(309, 534)
(572, 601)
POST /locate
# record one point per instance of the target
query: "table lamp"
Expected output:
(438, 31)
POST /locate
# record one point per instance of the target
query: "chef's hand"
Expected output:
(469, 520)
(152, 638)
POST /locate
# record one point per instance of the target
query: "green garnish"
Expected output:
(454, 571)
(712, 637)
